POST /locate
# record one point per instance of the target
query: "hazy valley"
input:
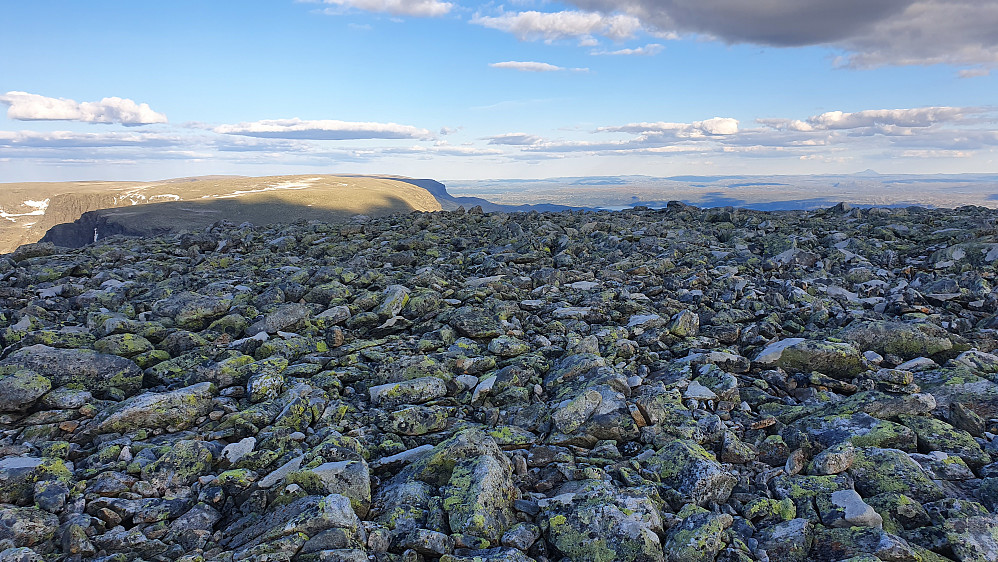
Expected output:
(760, 192)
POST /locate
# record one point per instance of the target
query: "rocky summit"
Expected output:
(680, 385)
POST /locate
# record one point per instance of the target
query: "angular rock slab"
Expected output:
(180, 408)
(415, 391)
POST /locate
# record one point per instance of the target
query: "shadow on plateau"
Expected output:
(156, 219)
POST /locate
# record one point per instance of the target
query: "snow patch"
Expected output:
(288, 185)
(164, 196)
(38, 206)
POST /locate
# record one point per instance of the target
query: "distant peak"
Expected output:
(867, 172)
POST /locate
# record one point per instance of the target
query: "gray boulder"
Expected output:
(96, 372)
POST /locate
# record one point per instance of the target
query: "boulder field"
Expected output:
(677, 385)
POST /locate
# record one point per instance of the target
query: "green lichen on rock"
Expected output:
(97, 372)
(693, 471)
(479, 496)
(879, 471)
(839, 360)
(123, 345)
(179, 409)
(20, 388)
(903, 339)
(937, 435)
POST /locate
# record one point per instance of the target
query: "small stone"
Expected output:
(833, 460)
(697, 391)
(685, 324)
(235, 451)
(521, 536)
(854, 511)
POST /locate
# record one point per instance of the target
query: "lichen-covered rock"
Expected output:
(283, 318)
(508, 387)
(20, 554)
(698, 538)
(879, 471)
(693, 472)
(476, 323)
(684, 324)
(508, 346)
(27, 526)
(179, 409)
(899, 512)
(123, 345)
(860, 429)
(789, 541)
(479, 497)
(193, 311)
(833, 460)
(349, 478)
(839, 360)
(418, 420)
(20, 388)
(974, 539)
(415, 391)
(96, 372)
(394, 299)
(296, 523)
(833, 545)
(20, 475)
(597, 522)
(937, 435)
(902, 339)
(180, 466)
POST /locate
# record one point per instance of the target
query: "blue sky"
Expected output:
(473, 90)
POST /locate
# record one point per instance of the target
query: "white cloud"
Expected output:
(325, 129)
(531, 66)
(514, 139)
(936, 154)
(974, 72)
(713, 126)
(873, 33)
(717, 126)
(23, 106)
(886, 119)
(69, 139)
(647, 50)
(550, 26)
(418, 8)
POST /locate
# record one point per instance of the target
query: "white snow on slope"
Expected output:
(39, 209)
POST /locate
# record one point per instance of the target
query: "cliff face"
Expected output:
(91, 227)
(61, 208)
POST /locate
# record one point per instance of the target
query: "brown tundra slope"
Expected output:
(30, 210)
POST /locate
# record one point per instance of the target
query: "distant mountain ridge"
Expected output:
(73, 214)
(69, 212)
(867, 188)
